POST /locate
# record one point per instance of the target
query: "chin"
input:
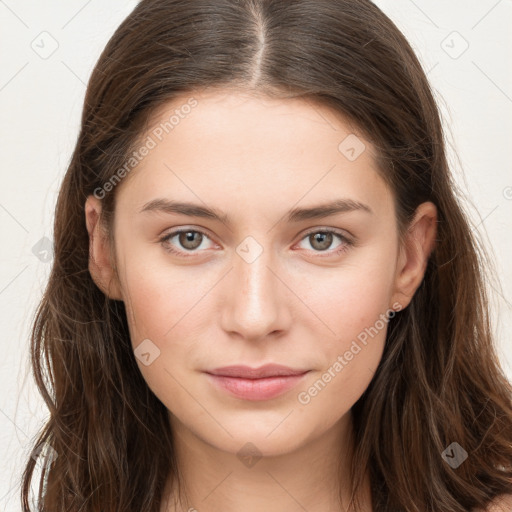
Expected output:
(264, 438)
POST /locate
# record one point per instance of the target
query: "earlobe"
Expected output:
(100, 264)
(415, 252)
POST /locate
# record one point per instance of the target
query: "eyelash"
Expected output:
(347, 243)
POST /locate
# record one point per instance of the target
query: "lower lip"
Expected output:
(256, 389)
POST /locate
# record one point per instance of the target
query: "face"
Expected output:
(260, 273)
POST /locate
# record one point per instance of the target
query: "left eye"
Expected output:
(321, 241)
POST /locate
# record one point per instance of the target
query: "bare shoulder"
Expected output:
(502, 503)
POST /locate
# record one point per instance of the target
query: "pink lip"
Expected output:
(262, 383)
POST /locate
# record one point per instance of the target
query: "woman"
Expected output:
(265, 295)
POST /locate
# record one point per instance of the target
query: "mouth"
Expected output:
(256, 384)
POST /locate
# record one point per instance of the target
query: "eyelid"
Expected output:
(322, 229)
(183, 229)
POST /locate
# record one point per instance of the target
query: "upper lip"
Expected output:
(268, 370)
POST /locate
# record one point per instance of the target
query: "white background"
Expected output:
(41, 100)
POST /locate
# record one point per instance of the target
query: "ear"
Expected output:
(414, 253)
(100, 265)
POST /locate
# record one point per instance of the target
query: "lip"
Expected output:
(263, 383)
(246, 372)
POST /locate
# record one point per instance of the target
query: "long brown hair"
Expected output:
(439, 381)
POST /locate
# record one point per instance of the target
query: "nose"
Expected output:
(255, 301)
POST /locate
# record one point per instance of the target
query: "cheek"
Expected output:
(331, 392)
(159, 297)
(359, 317)
(166, 306)
(354, 303)
(160, 326)
(353, 297)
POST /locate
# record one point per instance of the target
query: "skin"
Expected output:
(297, 304)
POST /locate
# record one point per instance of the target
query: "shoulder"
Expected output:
(502, 503)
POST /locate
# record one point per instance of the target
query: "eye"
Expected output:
(188, 239)
(191, 240)
(322, 239)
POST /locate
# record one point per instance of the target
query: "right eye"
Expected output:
(189, 240)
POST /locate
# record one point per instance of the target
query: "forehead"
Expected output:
(230, 147)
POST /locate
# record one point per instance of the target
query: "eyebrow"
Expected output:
(294, 215)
